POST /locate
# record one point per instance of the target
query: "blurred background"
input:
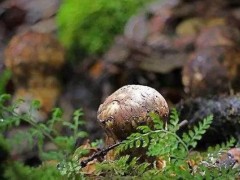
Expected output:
(73, 54)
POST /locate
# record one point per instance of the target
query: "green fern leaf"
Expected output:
(193, 136)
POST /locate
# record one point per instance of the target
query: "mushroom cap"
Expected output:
(32, 50)
(129, 107)
(220, 35)
(210, 71)
(190, 26)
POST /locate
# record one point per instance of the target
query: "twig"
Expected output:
(104, 151)
(183, 123)
(100, 153)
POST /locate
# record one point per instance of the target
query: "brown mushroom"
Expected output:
(34, 59)
(128, 107)
(31, 53)
(220, 35)
(211, 71)
(214, 67)
(192, 26)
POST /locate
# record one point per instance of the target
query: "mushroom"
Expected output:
(214, 67)
(127, 108)
(33, 54)
(190, 27)
(35, 59)
(211, 71)
(193, 26)
(219, 35)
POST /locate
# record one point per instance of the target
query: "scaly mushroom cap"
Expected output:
(34, 51)
(128, 107)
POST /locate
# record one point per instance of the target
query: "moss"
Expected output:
(92, 25)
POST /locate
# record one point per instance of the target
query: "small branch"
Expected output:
(104, 151)
(100, 153)
(183, 123)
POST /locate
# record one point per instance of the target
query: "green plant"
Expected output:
(122, 167)
(4, 78)
(159, 137)
(17, 170)
(172, 153)
(92, 26)
(167, 154)
(39, 133)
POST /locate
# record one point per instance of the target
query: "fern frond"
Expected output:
(57, 114)
(157, 121)
(195, 135)
(224, 146)
(159, 141)
(174, 120)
